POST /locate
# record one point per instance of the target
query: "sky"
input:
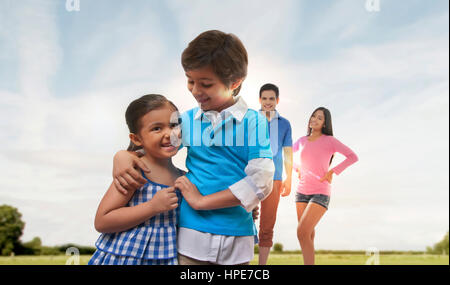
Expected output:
(67, 76)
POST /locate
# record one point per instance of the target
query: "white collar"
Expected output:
(237, 110)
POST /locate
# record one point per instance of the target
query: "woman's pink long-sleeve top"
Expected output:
(315, 161)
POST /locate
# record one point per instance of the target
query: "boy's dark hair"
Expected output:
(138, 108)
(225, 53)
(267, 87)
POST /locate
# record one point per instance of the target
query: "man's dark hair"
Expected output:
(269, 86)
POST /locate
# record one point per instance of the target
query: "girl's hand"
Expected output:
(189, 192)
(164, 200)
(328, 177)
(125, 171)
(298, 172)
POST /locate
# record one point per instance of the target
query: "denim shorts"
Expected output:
(322, 200)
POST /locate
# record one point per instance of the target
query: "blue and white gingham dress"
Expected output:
(150, 243)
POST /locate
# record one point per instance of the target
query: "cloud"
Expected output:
(389, 101)
(259, 24)
(384, 99)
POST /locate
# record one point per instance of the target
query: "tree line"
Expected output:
(11, 229)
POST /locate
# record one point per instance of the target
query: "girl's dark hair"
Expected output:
(225, 53)
(138, 108)
(327, 128)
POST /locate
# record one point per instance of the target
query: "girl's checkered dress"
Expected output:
(152, 242)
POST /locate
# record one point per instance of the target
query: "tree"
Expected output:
(440, 247)
(11, 229)
(278, 247)
(33, 247)
(34, 243)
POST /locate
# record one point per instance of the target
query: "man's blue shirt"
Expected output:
(280, 136)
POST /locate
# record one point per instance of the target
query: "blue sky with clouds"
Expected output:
(66, 79)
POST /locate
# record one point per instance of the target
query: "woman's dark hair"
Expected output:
(138, 108)
(225, 53)
(269, 86)
(327, 128)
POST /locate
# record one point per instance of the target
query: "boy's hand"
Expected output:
(189, 192)
(165, 200)
(126, 175)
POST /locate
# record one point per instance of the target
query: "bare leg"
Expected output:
(300, 209)
(311, 215)
(263, 255)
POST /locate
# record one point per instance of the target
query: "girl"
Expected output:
(313, 193)
(228, 156)
(140, 227)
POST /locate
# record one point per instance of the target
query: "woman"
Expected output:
(313, 193)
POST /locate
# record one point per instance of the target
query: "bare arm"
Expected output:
(114, 216)
(288, 159)
(247, 192)
(127, 177)
(218, 200)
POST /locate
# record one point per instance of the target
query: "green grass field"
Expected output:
(274, 259)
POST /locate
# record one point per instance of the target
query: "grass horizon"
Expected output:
(274, 259)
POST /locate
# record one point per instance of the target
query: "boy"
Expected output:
(229, 156)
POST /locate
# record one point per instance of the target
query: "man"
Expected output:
(281, 143)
